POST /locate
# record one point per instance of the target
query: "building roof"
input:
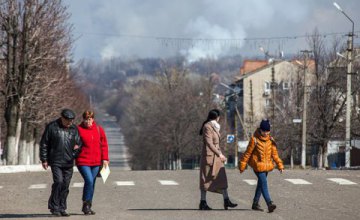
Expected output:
(251, 65)
(249, 73)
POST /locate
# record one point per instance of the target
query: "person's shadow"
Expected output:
(170, 209)
(30, 215)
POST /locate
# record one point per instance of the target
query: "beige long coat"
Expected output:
(212, 171)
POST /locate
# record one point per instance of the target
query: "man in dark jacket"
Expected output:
(59, 146)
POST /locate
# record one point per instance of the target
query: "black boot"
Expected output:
(228, 203)
(91, 211)
(86, 208)
(271, 207)
(256, 207)
(203, 205)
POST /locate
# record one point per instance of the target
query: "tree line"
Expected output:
(160, 112)
(161, 107)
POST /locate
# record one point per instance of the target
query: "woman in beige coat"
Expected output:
(212, 171)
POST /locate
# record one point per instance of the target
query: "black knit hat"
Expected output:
(68, 114)
(265, 125)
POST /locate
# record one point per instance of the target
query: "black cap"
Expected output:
(265, 125)
(68, 114)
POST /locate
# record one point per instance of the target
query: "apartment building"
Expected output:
(261, 83)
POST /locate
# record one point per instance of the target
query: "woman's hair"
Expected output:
(213, 114)
(88, 114)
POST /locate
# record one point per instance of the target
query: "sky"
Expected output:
(203, 28)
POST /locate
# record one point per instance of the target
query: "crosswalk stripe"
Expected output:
(125, 183)
(298, 181)
(168, 182)
(78, 185)
(342, 181)
(37, 186)
(251, 182)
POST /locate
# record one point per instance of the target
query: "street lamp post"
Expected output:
(350, 44)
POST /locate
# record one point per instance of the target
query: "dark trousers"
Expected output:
(60, 187)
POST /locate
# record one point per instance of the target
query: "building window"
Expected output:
(285, 85)
(267, 102)
(267, 86)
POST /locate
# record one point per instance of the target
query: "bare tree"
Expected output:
(327, 97)
(163, 119)
(36, 42)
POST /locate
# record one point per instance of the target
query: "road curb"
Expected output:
(25, 168)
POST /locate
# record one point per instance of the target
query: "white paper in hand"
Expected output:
(105, 172)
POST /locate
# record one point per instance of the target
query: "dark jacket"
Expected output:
(57, 144)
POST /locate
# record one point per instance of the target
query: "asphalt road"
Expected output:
(142, 195)
(118, 153)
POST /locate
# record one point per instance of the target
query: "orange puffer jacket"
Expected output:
(260, 154)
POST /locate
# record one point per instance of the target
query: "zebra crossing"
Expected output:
(125, 183)
(342, 181)
(251, 182)
(298, 181)
(339, 181)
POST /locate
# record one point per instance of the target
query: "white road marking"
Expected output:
(251, 182)
(1, 187)
(168, 182)
(342, 181)
(78, 185)
(37, 186)
(125, 183)
(298, 181)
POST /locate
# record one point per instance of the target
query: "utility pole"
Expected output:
(349, 98)
(235, 94)
(273, 86)
(350, 46)
(251, 108)
(303, 139)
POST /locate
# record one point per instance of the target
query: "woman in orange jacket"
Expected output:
(260, 154)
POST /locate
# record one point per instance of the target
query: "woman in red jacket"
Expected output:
(94, 153)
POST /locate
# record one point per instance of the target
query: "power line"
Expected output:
(185, 39)
(217, 44)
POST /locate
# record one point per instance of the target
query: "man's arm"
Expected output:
(78, 144)
(44, 146)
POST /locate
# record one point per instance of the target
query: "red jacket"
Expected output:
(95, 147)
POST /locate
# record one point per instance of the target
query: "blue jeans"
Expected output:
(89, 175)
(262, 187)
